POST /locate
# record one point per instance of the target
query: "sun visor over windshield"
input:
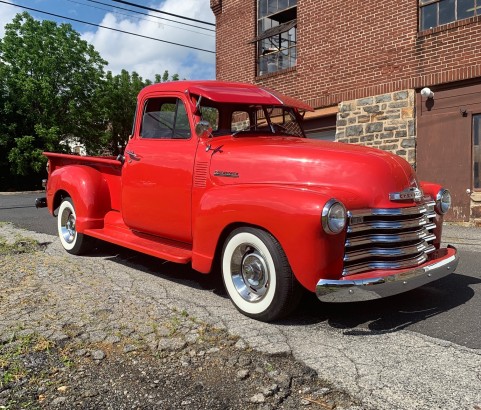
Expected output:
(246, 94)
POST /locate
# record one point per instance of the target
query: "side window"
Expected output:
(165, 118)
(182, 126)
(211, 114)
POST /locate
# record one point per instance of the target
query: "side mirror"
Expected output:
(203, 129)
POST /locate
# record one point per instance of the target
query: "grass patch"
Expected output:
(27, 361)
(21, 245)
(13, 356)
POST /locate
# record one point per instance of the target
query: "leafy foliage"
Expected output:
(54, 92)
(50, 81)
(119, 98)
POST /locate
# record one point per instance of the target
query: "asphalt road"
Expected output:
(19, 208)
(418, 350)
(447, 309)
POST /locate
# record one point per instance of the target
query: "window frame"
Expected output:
(163, 100)
(281, 34)
(424, 4)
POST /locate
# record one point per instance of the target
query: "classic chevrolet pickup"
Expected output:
(221, 176)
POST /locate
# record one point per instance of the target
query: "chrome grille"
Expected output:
(389, 238)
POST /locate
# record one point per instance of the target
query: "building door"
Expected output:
(445, 143)
(477, 152)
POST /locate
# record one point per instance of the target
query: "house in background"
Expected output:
(362, 66)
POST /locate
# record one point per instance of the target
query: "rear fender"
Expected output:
(88, 190)
(291, 215)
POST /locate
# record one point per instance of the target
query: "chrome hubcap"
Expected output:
(250, 273)
(68, 226)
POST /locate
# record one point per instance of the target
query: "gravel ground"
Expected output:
(77, 333)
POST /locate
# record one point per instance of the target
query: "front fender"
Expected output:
(88, 190)
(431, 190)
(291, 214)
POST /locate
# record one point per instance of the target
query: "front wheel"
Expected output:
(257, 275)
(72, 241)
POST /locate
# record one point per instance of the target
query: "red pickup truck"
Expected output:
(221, 176)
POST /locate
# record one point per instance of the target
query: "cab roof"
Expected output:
(229, 92)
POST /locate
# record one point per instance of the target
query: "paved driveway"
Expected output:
(419, 350)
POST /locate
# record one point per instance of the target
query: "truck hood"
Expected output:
(359, 176)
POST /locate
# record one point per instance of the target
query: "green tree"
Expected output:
(50, 79)
(119, 98)
(53, 90)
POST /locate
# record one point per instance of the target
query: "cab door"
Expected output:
(157, 173)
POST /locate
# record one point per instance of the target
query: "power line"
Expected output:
(162, 12)
(150, 15)
(139, 18)
(108, 28)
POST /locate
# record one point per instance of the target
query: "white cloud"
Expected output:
(149, 57)
(7, 13)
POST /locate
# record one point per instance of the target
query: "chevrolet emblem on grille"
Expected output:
(411, 193)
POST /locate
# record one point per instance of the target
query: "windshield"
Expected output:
(243, 120)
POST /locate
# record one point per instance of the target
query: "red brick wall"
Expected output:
(349, 50)
(235, 27)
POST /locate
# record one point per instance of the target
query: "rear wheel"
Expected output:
(72, 241)
(257, 275)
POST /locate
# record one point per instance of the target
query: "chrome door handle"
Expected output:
(132, 155)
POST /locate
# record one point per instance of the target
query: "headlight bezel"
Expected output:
(331, 222)
(443, 201)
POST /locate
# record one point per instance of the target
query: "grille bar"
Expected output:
(395, 224)
(428, 207)
(376, 238)
(389, 238)
(389, 252)
(400, 264)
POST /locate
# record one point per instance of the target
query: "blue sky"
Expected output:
(123, 51)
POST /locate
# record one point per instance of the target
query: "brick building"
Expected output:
(362, 66)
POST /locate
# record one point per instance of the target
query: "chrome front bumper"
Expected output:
(357, 290)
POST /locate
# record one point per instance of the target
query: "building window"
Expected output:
(276, 35)
(434, 13)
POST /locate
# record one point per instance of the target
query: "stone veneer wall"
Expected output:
(385, 121)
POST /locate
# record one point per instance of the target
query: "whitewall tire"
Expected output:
(72, 241)
(257, 275)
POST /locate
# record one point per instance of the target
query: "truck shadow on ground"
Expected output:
(389, 314)
(178, 273)
(371, 317)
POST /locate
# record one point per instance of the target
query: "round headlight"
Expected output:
(443, 201)
(333, 217)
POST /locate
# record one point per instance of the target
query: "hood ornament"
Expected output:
(411, 193)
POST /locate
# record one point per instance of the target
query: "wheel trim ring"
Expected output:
(248, 265)
(68, 230)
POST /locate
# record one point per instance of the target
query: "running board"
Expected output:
(166, 249)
